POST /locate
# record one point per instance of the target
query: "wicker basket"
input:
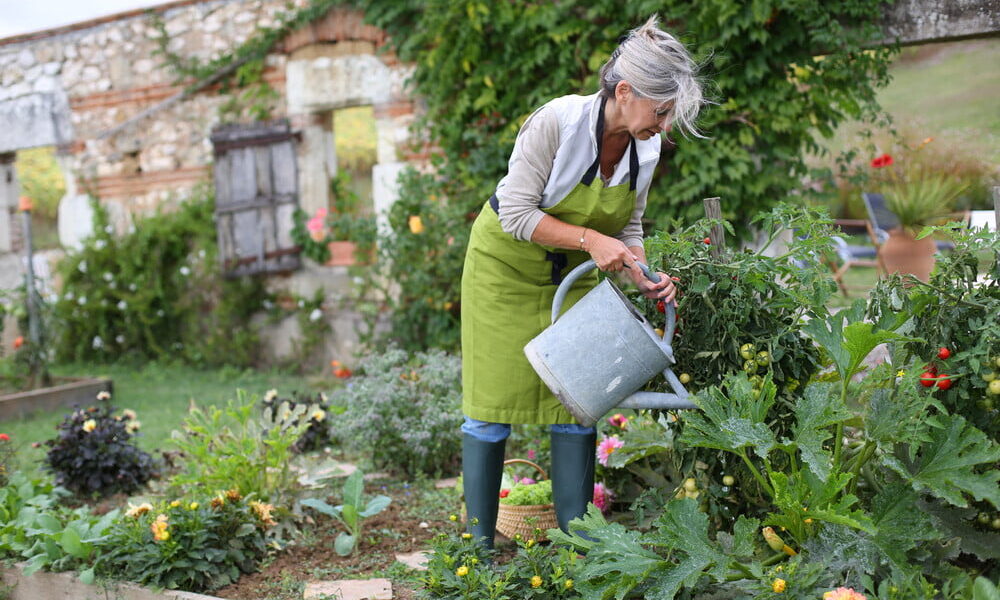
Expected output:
(511, 518)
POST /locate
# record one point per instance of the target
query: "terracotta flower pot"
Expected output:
(902, 253)
(344, 253)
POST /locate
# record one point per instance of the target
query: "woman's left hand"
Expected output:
(664, 290)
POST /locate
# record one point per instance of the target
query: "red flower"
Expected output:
(18, 342)
(4, 437)
(881, 161)
(504, 493)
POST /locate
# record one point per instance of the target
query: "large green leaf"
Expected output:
(70, 543)
(375, 506)
(849, 338)
(682, 530)
(899, 526)
(734, 421)
(804, 495)
(956, 461)
(641, 442)
(817, 409)
(344, 544)
(353, 487)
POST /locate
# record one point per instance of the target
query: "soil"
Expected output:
(390, 532)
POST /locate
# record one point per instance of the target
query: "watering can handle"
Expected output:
(590, 265)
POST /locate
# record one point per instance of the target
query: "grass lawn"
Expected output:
(160, 395)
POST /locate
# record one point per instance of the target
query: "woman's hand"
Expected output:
(664, 290)
(610, 254)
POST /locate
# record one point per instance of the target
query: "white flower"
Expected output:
(270, 395)
(108, 229)
(316, 315)
(108, 276)
(122, 305)
(268, 305)
(132, 287)
(201, 254)
(185, 271)
(129, 414)
(53, 298)
(160, 313)
(98, 343)
(69, 296)
(302, 303)
(82, 267)
(120, 338)
(133, 426)
(81, 300)
(100, 244)
(104, 395)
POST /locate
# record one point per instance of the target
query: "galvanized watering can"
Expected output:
(602, 351)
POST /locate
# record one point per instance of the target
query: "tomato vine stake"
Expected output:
(717, 236)
(38, 372)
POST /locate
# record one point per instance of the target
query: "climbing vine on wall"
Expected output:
(240, 71)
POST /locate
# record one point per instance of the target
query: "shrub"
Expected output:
(156, 293)
(404, 411)
(94, 454)
(240, 448)
(317, 433)
(190, 545)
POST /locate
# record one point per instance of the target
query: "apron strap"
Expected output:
(633, 157)
(559, 262)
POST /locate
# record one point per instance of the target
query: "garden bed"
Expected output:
(65, 392)
(66, 585)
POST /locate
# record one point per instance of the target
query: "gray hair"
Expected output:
(657, 66)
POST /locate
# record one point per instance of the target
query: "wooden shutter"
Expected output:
(256, 192)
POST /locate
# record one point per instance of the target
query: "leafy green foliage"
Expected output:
(482, 68)
(237, 447)
(352, 513)
(402, 411)
(193, 546)
(528, 494)
(35, 528)
(94, 454)
(317, 433)
(156, 293)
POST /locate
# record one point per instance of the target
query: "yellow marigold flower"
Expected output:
(416, 224)
(530, 543)
(453, 518)
(159, 528)
(466, 536)
(138, 511)
(462, 571)
(89, 425)
(175, 504)
(219, 501)
(193, 506)
(778, 586)
(319, 415)
(568, 584)
(234, 495)
(133, 426)
(536, 581)
(263, 512)
(128, 413)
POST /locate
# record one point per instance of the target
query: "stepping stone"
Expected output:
(450, 482)
(349, 589)
(415, 560)
(373, 476)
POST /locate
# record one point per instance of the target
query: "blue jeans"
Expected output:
(498, 432)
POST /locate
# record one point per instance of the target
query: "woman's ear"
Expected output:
(623, 91)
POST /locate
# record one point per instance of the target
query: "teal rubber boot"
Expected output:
(573, 457)
(482, 468)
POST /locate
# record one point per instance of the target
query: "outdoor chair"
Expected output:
(979, 219)
(851, 255)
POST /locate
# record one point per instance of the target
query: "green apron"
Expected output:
(507, 291)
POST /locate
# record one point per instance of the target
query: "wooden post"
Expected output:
(713, 210)
(996, 208)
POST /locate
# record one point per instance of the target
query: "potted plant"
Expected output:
(340, 235)
(917, 197)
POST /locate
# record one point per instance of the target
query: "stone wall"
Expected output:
(70, 86)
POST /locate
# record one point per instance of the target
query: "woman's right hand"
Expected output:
(610, 254)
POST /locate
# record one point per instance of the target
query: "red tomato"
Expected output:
(504, 493)
(927, 379)
(943, 383)
(943, 353)
(661, 306)
(708, 241)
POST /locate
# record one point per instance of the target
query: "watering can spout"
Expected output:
(602, 351)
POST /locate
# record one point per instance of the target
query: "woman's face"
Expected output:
(643, 117)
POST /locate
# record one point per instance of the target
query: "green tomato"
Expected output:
(746, 351)
(997, 362)
(690, 485)
(989, 376)
(763, 358)
(996, 523)
(728, 480)
(983, 518)
(684, 378)
(995, 387)
(750, 366)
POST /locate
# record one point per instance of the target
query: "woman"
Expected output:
(575, 189)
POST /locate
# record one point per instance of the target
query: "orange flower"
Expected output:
(159, 528)
(416, 224)
(18, 342)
